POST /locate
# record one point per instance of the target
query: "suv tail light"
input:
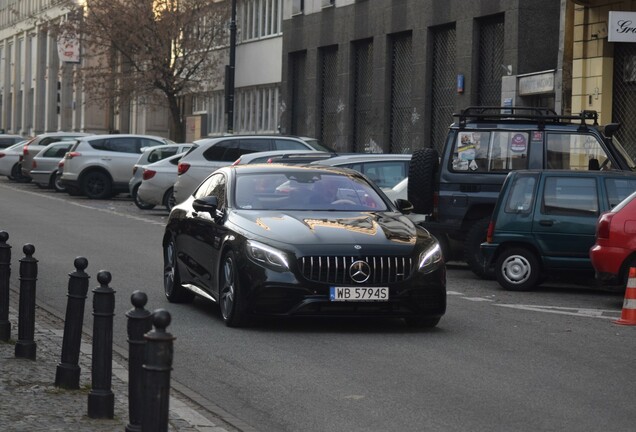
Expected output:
(182, 168)
(25, 149)
(34, 164)
(71, 155)
(148, 174)
(435, 204)
(490, 232)
(2, 155)
(603, 226)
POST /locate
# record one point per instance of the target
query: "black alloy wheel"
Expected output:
(97, 185)
(174, 291)
(138, 202)
(230, 301)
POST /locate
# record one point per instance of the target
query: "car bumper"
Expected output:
(608, 260)
(488, 254)
(285, 294)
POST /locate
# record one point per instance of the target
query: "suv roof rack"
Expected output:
(533, 114)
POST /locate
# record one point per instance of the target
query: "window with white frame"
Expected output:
(298, 6)
(259, 19)
(214, 105)
(256, 109)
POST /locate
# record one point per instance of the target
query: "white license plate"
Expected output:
(358, 293)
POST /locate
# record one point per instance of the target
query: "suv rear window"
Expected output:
(490, 151)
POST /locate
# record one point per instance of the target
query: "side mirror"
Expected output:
(206, 204)
(404, 206)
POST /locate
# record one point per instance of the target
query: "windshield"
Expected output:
(623, 153)
(305, 190)
(317, 145)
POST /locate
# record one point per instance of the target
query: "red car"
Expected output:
(615, 249)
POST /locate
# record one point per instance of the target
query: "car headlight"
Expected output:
(267, 255)
(430, 258)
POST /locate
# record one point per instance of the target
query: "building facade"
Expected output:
(604, 63)
(258, 75)
(39, 91)
(387, 75)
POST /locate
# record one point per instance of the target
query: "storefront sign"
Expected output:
(536, 84)
(622, 27)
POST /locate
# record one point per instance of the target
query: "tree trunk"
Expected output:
(177, 123)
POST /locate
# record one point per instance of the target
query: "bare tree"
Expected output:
(155, 51)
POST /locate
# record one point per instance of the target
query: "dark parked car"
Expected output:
(544, 223)
(614, 252)
(301, 241)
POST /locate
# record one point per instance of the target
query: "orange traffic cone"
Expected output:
(628, 316)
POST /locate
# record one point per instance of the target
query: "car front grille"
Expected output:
(335, 269)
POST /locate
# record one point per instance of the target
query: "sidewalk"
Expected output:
(29, 400)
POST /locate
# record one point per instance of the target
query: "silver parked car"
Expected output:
(9, 140)
(151, 155)
(100, 166)
(157, 185)
(10, 160)
(283, 156)
(213, 153)
(384, 169)
(33, 147)
(45, 164)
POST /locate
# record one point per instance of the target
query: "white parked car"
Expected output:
(44, 166)
(100, 166)
(213, 153)
(384, 169)
(10, 159)
(151, 155)
(157, 185)
(35, 145)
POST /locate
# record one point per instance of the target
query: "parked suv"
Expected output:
(37, 144)
(545, 223)
(101, 166)
(213, 153)
(459, 188)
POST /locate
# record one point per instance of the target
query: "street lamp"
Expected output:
(229, 73)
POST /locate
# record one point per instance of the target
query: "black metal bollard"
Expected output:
(68, 371)
(25, 347)
(5, 277)
(157, 367)
(101, 401)
(139, 323)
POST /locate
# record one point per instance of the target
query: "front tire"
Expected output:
(97, 185)
(517, 269)
(230, 296)
(174, 291)
(422, 322)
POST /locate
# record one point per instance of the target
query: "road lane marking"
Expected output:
(584, 312)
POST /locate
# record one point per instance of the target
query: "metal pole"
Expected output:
(157, 367)
(68, 371)
(229, 73)
(139, 323)
(101, 401)
(5, 277)
(25, 347)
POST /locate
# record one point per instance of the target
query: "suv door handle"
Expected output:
(546, 222)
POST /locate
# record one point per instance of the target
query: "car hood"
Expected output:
(384, 230)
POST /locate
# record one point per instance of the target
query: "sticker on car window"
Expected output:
(518, 143)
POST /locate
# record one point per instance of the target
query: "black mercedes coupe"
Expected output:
(305, 240)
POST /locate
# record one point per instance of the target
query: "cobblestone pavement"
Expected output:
(29, 400)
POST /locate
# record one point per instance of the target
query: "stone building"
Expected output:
(386, 75)
(38, 92)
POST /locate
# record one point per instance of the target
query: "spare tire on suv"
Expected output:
(422, 171)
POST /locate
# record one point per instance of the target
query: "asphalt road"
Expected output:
(548, 360)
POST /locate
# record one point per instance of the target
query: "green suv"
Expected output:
(544, 223)
(458, 188)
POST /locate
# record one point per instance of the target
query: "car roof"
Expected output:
(265, 168)
(363, 157)
(94, 137)
(270, 136)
